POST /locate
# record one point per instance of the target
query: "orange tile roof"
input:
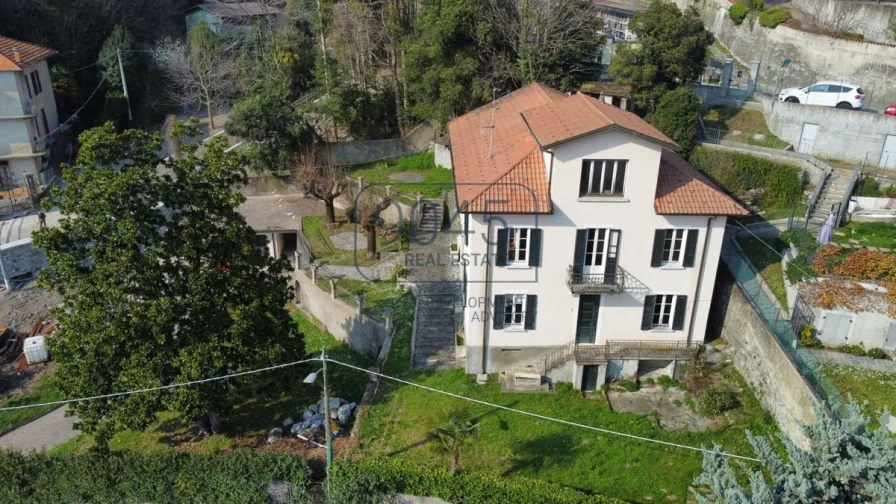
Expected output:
(579, 115)
(28, 53)
(6, 65)
(474, 169)
(523, 189)
(682, 190)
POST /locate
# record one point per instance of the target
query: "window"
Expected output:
(595, 245)
(673, 245)
(517, 245)
(35, 82)
(859, 90)
(818, 88)
(835, 89)
(43, 116)
(662, 311)
(514, 311)
(28, 87)
(602, 177)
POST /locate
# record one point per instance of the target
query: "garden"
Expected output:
(408, 176)
(742, 125)
(881, 235)
(876, 388)
(350, 246)
(765, 255)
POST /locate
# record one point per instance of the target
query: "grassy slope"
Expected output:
(871, 234)
(44, 391)
(318, 234)
(749, 122)
(434, 178)
(876, 387)
(768, 264)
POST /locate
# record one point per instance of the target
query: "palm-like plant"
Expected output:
(459, 428)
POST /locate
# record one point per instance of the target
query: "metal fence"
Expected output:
(343, 288)
(747, 279)
(725, 137)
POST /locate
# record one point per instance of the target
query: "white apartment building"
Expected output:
(27, 110)
(590, 248)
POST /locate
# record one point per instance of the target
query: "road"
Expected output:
(44, 433)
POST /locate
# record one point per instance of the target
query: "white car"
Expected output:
(828, 94)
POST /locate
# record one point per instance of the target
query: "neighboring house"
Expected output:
(27, 111)
(616, 16)
(590, 248)
(611, 93)
(229, 18)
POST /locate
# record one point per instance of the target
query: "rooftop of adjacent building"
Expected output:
(17, 54)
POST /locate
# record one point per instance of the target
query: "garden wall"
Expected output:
(344, 321)
(20, 257)
(759, 357)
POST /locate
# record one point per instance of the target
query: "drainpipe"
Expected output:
(700, 278)
(485, 324)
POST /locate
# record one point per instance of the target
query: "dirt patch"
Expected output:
(13, 385)
(670, 405)
(19, 308)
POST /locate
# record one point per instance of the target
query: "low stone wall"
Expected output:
(442, 155)
(344, 321)
(368, 151)
(759, 357)
(20, 257)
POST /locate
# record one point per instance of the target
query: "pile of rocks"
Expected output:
(312, 424)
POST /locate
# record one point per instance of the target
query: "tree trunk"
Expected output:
(371, 243)
(211, 119)
(331, 211)
(455, 461)
(396, 88)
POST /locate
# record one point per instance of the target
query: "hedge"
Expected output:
(369, 479)
(738, 12)
(164, 477)
(773, 17)
(851, 36)
(738, 173)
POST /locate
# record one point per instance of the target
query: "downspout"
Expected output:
(700, 278)
(488, 297)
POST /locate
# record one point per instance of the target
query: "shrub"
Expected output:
(628, 385)
(737, 173)
(399, 271)
(370, 478)
(781, 187)
(773, 17)
(851, 36)
(738, 12)
(678, 116)
(867, 186)
(695, 375)
(667, 381)
(650, 381)
(858, 350)
(716, 400)
(807, 337)
(876, 353)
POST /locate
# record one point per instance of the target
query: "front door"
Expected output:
(807, 138)
(595, 252)
(589, 377)
(586, 323)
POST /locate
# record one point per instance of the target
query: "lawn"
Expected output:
(748, 122)
(869, 234)
(266, 401)
(378, 295)
(875, 387)
(318, 234)
(435, 178)
(510, 444)
(768, 263)
(44, 391)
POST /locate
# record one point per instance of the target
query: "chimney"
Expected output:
(16, 55)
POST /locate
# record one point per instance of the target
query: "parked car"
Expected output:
(890, 110)
(828, 94)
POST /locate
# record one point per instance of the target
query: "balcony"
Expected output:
(589, 355)
(24, 150)
(595, 283)
(15, 109)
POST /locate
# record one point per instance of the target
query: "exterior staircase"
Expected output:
(434, 345)
(432, 213)
(831, 194)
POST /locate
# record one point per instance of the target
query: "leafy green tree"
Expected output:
(274, 129)
(161, 279)
(670, 51)
(677, 115)
(846, 462)
(119, 39)
(450, 436)
(363, 114)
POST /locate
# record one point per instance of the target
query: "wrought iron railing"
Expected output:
(595, 283)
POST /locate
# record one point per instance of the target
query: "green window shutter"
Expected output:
(690, 248)
(531, 311)
(578, 259)
(586, 174)
(534, 247)
(501, 254)
(498, 322)
(612, 260)
(681, 305)
(647, 316)
(659, 237)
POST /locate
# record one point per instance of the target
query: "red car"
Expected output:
(890, 110)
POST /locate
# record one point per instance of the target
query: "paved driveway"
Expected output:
(281, 212)
(46, 432)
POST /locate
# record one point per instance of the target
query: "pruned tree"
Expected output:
(321, 177)
(846, 462)
(459, 428)
(199, 71)
(549, 41)
(162, 281)
(365, 214)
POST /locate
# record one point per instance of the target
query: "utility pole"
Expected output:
(124, 85)
(327, 430)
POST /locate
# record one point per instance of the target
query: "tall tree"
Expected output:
(670, 51)
(162, 281)
(119, 39)
(200, 71)
(678, 115)
(847, 462)
(320, 177)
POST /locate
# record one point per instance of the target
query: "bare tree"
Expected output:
(830, 16)
(320, 177)
(366, 214)
(198, 71)
(541, 40)
(358, 39)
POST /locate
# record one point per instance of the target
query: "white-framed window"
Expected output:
(518, 245)
(595, 245)
(514, 311)
(673, 246)
(663, 308)
(603, 177)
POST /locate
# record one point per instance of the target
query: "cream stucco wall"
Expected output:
(634, 214)
(21, 120)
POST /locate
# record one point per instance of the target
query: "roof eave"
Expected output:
(671, 146)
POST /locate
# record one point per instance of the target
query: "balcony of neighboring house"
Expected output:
(22, 150)
(16, 109)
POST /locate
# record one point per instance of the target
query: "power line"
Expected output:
(163, 387)
(107, 58)
(791, 263)
(542, 417)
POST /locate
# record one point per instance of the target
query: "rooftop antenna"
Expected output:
(491, 140)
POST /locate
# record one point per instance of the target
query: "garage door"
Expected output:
(836, 328)
(888, 155)
(807, 138)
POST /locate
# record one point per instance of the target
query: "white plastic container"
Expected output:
(36, 350)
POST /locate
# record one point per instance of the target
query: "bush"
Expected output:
(876, 353)
(166, 477)
(867, 186)
(738, 12)
(668, 382)
(716, 400)
(807, 337)
(737, 173)
(628, 385)
(399, 271)
(773, 17)
(650, 381)
(858, 350)
(369, 479)
(678, 116)
(851, 36)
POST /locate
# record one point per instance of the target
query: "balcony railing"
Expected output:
(15, 108)
(595, 283)
(587, 354)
